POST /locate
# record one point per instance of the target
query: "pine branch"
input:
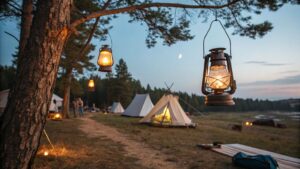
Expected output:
(93, 30)
(16, 7)
(144, 6)
(81, 53)
(12, 36)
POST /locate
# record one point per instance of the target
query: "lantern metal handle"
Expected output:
(111, 42)
(216, 20)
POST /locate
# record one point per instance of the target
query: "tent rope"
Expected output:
(48, 138)
(197, 111)
(169, 91)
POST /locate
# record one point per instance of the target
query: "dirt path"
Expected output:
(147, 157)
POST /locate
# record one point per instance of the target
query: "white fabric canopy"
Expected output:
(4, 96)
(117, 108)
(140, 106)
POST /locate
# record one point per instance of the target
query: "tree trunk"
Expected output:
(26, 21)
(24, 117)
(67, 87)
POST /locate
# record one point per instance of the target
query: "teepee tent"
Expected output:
(117, 108)
(4, 96)
(140, 106)
(167, 112)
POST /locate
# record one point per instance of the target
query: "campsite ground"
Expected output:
(75, 148)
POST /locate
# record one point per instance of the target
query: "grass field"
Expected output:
(178, 143)
(74, 150)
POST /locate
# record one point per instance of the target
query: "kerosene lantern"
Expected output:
(105, 59)
(91, 85)
(218, 83)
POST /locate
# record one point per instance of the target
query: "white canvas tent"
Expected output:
(140, 106)
(117, 108)
(59, 102)
(167, 112)
(4, 96)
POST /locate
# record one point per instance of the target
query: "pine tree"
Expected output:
(45, 28)
(121, 88)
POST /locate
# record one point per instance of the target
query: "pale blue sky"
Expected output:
(263, 68)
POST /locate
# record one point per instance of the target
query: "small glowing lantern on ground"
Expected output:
(91, 85)
(46, 153)
(105, 59)
(56, 116)
(218, 83)
(247, 123)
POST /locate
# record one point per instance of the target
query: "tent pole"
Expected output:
(164, 114)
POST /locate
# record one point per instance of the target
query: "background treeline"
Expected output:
(120, 86)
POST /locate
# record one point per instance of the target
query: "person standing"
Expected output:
(80, 106)
(75, 107)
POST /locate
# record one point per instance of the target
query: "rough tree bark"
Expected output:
(26, 21)
(25, 114)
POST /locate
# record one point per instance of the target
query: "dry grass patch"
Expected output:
(180, 143)
(74, 150)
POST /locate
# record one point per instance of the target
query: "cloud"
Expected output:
(289, 71)
(263, 63)
(272, 92)
(282, 81)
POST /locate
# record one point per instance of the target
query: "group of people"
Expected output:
(77, 105)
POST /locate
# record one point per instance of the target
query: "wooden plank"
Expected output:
(279, 160)
(229, 152)
(260, 151)
(284, 162)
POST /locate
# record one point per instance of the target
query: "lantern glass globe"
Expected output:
(218, 78)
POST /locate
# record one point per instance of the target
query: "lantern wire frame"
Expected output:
(222, 82)
(228, 58)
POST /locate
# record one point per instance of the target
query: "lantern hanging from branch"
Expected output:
(218, 83)
(105, 59)
(91, 85)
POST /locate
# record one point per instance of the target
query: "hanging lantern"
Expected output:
(218, 83)
(91, 85)
(105, 59)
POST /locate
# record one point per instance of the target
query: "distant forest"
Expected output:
(121, 87)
